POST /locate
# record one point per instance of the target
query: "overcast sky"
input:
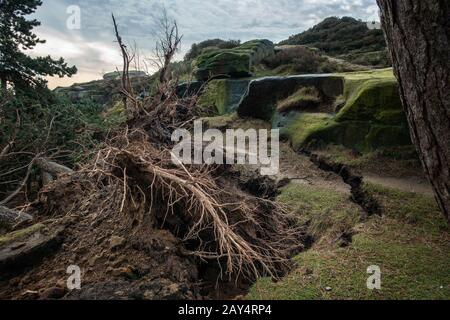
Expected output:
(92, 49)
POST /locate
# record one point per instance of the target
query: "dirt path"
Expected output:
(299, 169)
(412, 184)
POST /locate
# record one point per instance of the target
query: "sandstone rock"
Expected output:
(223, 96)
(263, 94)
(371, 119)
(235, 63)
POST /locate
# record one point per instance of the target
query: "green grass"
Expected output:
(327, 214)
(413, 254)
(233, 121)
(305, 97)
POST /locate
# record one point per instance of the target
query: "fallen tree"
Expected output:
(136, 215)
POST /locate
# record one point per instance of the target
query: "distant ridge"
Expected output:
(342, 37)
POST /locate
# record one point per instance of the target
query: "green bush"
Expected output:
(61, 130)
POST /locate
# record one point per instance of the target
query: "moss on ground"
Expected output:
(394, 162)
(304, 98)
(410, 243)
(329, 216)
(233, 121)
(20, 234)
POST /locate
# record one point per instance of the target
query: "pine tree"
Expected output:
(17, 37)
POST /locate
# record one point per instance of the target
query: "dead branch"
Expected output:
(22, 184)
(167, 46)
(127, 88)
(10, 218)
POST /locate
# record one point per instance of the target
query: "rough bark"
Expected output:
(51, 170)
(418, 37)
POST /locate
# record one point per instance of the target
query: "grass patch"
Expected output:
(233, 121)
(420, 211)
(394, 162)
(304, 98)
(413, 255)
(328, 216)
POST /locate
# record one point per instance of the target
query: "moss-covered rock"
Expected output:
(263, 94)
(222, 96)
(234, 63)
(304, 98)
(373, 100)
(372, 117)
(307, 128)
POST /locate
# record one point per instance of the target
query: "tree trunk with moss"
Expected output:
(418, 37)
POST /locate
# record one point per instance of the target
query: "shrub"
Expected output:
(301, 59)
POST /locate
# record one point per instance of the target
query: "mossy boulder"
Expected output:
(234, 63)
(372, 117)
(307, 128)
(374, 100)
(222, 96)
(303, 99)
(264, 94)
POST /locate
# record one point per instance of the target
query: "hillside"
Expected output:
(346, 38)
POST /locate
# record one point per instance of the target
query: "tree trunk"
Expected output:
(418, 37)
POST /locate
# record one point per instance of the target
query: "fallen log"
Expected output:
(24, 248)
(9, 218)
(50, 170)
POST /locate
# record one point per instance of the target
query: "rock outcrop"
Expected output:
(232, 63)
(263, 94)
(106, 90)
(223, 96)
(371, 118)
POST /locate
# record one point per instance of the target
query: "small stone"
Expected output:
(116, 242)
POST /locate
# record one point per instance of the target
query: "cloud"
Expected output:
(93, 50)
